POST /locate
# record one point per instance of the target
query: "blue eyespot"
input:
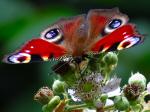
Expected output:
(115, 23)
(51, 34)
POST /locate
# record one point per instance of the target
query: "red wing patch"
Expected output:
(36, 47)
(123, 37)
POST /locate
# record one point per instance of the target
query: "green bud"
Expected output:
(137, 108)
(53, 103)
(110, 58)
(121, 103)
(103, 98)
(44, 108)
(58, 87)
(43, 95)
(138, 79)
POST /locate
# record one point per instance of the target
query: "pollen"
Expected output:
(88, 87)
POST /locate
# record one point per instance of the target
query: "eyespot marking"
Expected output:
(52, 35)
(115, 23)
(19, 58)
(129, 42)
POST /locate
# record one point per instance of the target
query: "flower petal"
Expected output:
(112, 85)
(109, 102)
(71, 93)
(116, 92)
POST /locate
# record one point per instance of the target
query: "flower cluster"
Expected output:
(87, 83)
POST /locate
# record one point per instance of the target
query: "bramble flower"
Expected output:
(88, 87)
(115, 92)
(71, 92)
(91, 87)
(111, 85)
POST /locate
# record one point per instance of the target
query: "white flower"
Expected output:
(71, 93)
(90, 87)
(116, 92)
(111, 85)
(109, 102)
(148, 87)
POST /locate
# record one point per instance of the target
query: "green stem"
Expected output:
(65, 94)
(107, 72)
(73, 107)
(106, 77)
(143, 96)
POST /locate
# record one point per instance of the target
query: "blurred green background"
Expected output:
(21, 20)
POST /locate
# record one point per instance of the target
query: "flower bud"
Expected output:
(110, 58)
(44, 95)
(53, 103)
(58, 87)
(138, 79)
(44, 108)
(121, 103)
(137, 108)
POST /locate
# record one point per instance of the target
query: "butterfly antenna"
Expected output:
(55, 70)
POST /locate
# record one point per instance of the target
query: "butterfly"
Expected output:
(101, 30)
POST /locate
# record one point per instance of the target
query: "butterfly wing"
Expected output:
(98, 31)
(35, 50)
(123, 37)
(53, 43)
(115, 33)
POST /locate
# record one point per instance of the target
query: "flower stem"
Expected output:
(73, 107)
(65, 95)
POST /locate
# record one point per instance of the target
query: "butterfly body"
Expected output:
(100, 30)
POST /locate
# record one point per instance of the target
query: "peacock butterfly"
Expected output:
(101, 30)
